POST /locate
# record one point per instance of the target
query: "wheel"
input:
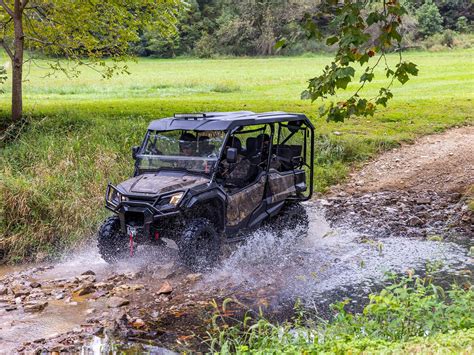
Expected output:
(112, 242)
(199, 245)
(293, 218)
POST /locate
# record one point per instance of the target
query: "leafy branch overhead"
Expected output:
(82, 32)
(364, 31)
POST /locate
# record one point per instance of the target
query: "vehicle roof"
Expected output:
(223, 121)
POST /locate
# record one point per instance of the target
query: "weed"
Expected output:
(411, 311)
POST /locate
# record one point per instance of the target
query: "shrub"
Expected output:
(462, 24)
(429, 19)
(206, 46)
(448, 38)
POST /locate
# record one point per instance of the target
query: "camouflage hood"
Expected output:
(161, 182)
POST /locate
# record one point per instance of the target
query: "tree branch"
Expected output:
(23, 4)
(7, 9)
(7, 50)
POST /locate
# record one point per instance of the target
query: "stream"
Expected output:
(269, 272)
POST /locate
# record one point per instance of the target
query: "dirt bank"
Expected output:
(419, 190)
(441, 162)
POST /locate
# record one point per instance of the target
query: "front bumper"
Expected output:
(146, 208)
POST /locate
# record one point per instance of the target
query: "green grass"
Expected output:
(80, 131)
(412, 315)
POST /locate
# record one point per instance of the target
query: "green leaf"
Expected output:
(373, 18)
(342, 83)
(364, 59)
(280, 44)
(367, 77)
(331, 40)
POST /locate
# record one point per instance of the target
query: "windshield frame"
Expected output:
(213, 161)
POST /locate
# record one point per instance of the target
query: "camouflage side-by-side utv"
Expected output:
(205, 179)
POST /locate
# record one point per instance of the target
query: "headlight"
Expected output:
(174, 200)
(116, 197)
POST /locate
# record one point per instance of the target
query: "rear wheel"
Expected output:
(112, 242)
(199, 245)
(293, 218)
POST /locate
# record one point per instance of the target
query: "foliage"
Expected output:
(3, 76)
(355, 45)
(401, 315)
(79, 132)
(429, 19)
(462, 24)
(86, 32)
(447, 39)
(223, 27)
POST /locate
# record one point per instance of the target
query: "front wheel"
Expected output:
(112, 242)
(199, 245)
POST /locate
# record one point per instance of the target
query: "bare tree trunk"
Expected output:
(17, 63)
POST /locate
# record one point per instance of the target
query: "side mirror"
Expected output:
(231, 155)
(135, 151)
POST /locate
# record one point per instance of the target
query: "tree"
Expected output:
(362, 32)
(429, 19)
(82, 32)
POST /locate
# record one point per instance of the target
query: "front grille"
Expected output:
(136, 218)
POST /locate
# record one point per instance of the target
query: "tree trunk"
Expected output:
(17, 63)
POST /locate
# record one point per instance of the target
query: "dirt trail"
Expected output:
(440, 162)
(404, 216)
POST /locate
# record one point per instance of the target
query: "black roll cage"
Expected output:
(236, 130)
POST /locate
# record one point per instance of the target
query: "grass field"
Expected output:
(80, 130)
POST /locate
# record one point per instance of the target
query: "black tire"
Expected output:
(199, 245)
(293, 217)
(112, 242)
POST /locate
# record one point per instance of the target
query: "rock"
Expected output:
(21, 290)
(391, 210)
(138, 323)
(11, 308)
(415, 221)
(106, 285)
(3, 290)
(33, 307)
(165, 288)
(137, 287)
(423, 201)
(59, 296)
(85, 289)
(88, 272)
(99, 294)
(116, 302)
(35, 284)
(194, 277)
(86, 278)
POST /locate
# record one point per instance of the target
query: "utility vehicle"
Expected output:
(206, 179)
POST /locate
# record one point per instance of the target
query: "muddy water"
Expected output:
(270, 271)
